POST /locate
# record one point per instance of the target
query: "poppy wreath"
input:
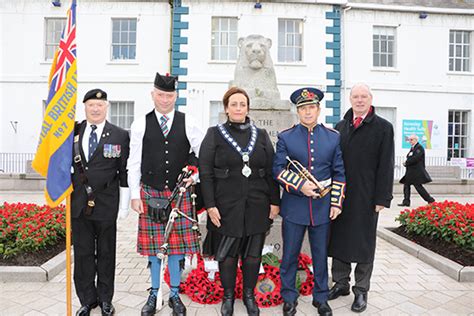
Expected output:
(267, 290)
(306, 287)
(200, 288)
(203, 290)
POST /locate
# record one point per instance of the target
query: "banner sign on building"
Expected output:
(470, 163)
(427, 132)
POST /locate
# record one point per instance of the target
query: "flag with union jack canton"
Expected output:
(53, 157)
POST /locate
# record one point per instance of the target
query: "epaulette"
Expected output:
(330, 129)
(286, 130)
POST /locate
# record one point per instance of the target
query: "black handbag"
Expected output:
(159, 210)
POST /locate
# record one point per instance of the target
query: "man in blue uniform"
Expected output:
(308, 204)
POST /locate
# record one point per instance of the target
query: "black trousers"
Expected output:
(421, 191)
(94, 256)
(341, 272)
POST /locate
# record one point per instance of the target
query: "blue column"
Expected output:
(177, 43)
(333, 91)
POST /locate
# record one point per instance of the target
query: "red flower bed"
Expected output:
(29, 227)
(450, 221)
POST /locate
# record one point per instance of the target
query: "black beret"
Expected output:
(166, 83)
(95, 94)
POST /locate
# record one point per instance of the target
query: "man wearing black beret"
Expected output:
(99, 180)
(162, 143)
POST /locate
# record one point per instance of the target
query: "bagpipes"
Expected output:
(164, 213)
(159, 209)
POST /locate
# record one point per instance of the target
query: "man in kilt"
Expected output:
(162, 143)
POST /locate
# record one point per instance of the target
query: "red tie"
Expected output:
(357, 121)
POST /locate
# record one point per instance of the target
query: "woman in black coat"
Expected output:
(416, 173)
(241, 198)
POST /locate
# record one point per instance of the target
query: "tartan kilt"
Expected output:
(183, 239)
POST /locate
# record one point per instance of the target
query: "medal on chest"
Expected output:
(244, 153)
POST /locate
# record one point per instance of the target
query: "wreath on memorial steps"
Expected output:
(305, 285)
(267, 290)
(201, 289)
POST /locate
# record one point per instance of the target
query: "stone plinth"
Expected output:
(273, 121)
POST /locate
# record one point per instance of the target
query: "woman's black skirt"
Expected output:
(220, 246)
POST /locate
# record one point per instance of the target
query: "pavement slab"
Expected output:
(401, 284)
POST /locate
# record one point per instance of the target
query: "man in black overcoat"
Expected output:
(416, 173)
(368, 152)
(99, 181)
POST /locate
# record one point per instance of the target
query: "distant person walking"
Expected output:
(416, 173)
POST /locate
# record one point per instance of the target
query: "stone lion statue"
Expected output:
(254, 70)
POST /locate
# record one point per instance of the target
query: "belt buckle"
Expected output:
(77, 158)
(90, 203)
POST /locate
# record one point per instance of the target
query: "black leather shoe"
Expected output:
(248, 297)
(289, 309)
(403, 204)
(323, 308)
(85, 310)
(227, 307)
(336, 291)
(177, 306)
(360, 303)
(149, 309)
(107, 308)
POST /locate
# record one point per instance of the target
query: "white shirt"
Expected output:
(170, 116)
(363, 116)
(137, 131)
(87, 133)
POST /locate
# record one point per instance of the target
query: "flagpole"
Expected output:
(68, 255)
(53, 158)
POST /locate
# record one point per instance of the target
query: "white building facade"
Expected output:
(417, 60)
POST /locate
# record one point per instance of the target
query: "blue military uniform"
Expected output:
(318, 150)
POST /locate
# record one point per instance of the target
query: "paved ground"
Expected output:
(401, 284)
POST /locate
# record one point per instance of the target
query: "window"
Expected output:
(384, 46)
(460, 51)
(54, 29)
(216, 107)
(290, 40)
(388, 113)
(124, 39)
(121, 113)
(458, 134)
(224, 38)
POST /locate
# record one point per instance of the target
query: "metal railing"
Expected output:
(21, 163)
(16, 162)
(465, 173)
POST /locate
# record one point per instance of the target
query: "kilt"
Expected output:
(183, 239)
